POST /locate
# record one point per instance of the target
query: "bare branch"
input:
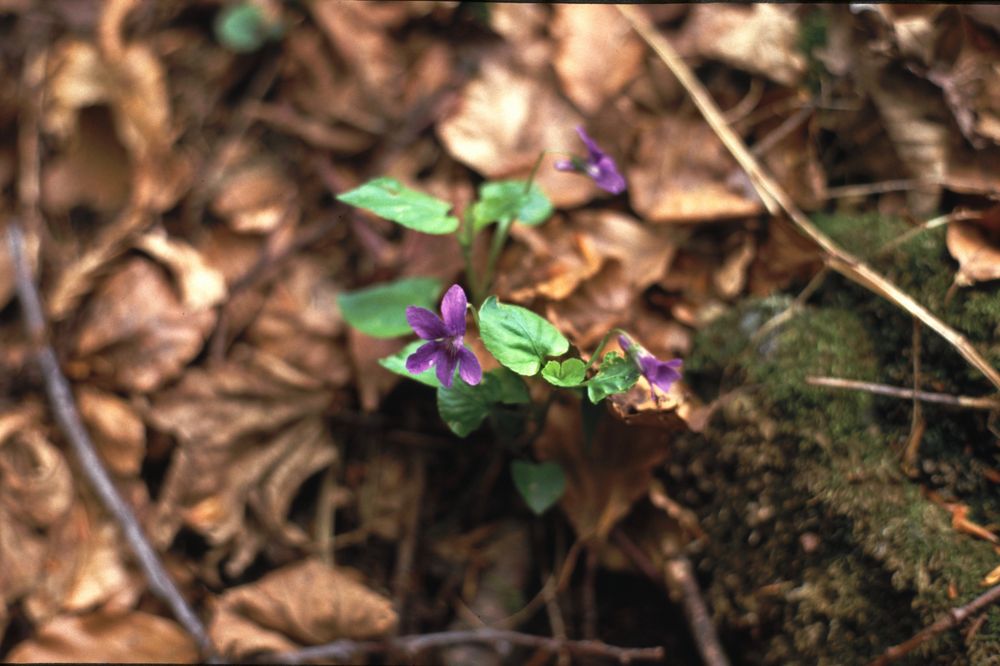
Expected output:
(907, 394)
(68, 418)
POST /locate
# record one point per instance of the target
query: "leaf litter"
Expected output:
(214, 370)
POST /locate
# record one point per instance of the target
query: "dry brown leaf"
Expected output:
(104, 637)
(597, 53)
(100, 573)
(794, 162)
(971, 86)
(604, 480)
(386, 496)
(115, 427)
(136, 333)
(254, 197)
(683, 173)
(201, 286)
(731, 276)
(598, 305)
(976, 248)
(248, 435)
(495, 129)
(307, 603)
(758, 38)
(785, 255)
(35, 480)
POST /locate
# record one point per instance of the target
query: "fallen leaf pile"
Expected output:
(182, 228)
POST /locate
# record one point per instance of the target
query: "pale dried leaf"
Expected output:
(254, 198)
(101, 573)
(201, 286)
(597, 53)
(35, 480)
(683, 173)
(976, 250)
(759, 38)
(136, 332)
(102, 637)
(309, 602)
(115, 427)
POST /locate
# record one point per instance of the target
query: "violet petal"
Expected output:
(468, 367)
(453, 310)
(424, 357)
(446, 362)
(425, 323)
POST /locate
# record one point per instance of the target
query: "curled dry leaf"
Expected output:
(100, 575)
(683, 173)
(976, 248)
(35, 481)
(496, 129)
(105, 637)
(248, 435)
(597, 53)
(307, 603)
(115, 427)
(201, 286)
(136, 333)
(759, 38)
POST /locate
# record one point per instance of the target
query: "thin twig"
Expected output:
(68, 418)
(917, 423)
(865, 189)
(957, 216)
(954, 618)
(347, 650)
(988, 402)
(776, 200)
(678, 575)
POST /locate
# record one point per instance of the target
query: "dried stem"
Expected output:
(955, 617)
(776, 200)
(907, 394)
(68, 418)
(347, 650)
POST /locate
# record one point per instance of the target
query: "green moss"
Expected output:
(792, 464)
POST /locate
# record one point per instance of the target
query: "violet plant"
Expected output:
(524, 344)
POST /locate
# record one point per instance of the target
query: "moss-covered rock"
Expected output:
(820, 550)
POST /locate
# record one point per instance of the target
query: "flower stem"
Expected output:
(597, 353)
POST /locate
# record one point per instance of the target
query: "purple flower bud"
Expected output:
(445, 349)
(659, 374)
(598, 165)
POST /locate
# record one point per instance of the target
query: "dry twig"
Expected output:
(68, 417)
(954, 618)
(347, 650)
(776, 200)
(989, 403)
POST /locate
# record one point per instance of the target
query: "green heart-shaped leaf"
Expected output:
(508, 200)
(380, 311)
(388, 198)
(570, 372)
(463, 407)
(616, 374)
(517, 337)
(540, 484)
(397, 363)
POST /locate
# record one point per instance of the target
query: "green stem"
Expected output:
(496, 246)
(597, 353)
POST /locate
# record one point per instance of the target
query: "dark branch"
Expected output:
(68, 418)
(347, 650)
(955, 617)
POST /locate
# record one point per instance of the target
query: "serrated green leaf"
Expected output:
(616, 374)
(389, 198)
(507, 200)
(397, 363)
(570, 372)
(464, 407)
(517, 337)
(380, 311)
(540, 484)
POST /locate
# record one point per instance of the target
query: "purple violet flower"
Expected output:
(661, 374)
(445, 349)
(598, 166)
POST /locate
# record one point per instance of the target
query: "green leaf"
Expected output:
(517, 337)
(463, 407)
(507, 200)
(380, 311)
(570, 372)
(510, 388)
(397, 363)
(540, 484)
(616, 374)
(388, 198)
(244, 28)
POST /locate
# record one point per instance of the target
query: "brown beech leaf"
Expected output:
(249, 435)
(104, 637)
(386, 495)
(201, 286)
(683, 173)
(606, 477)
(597, 53)
(307, 603)
(598, 305)
(976, 248)
(760, 38)
(136, 332)
(254, 197)
(100, 573)
(496, 129)
(116, 428)
(35, 480)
